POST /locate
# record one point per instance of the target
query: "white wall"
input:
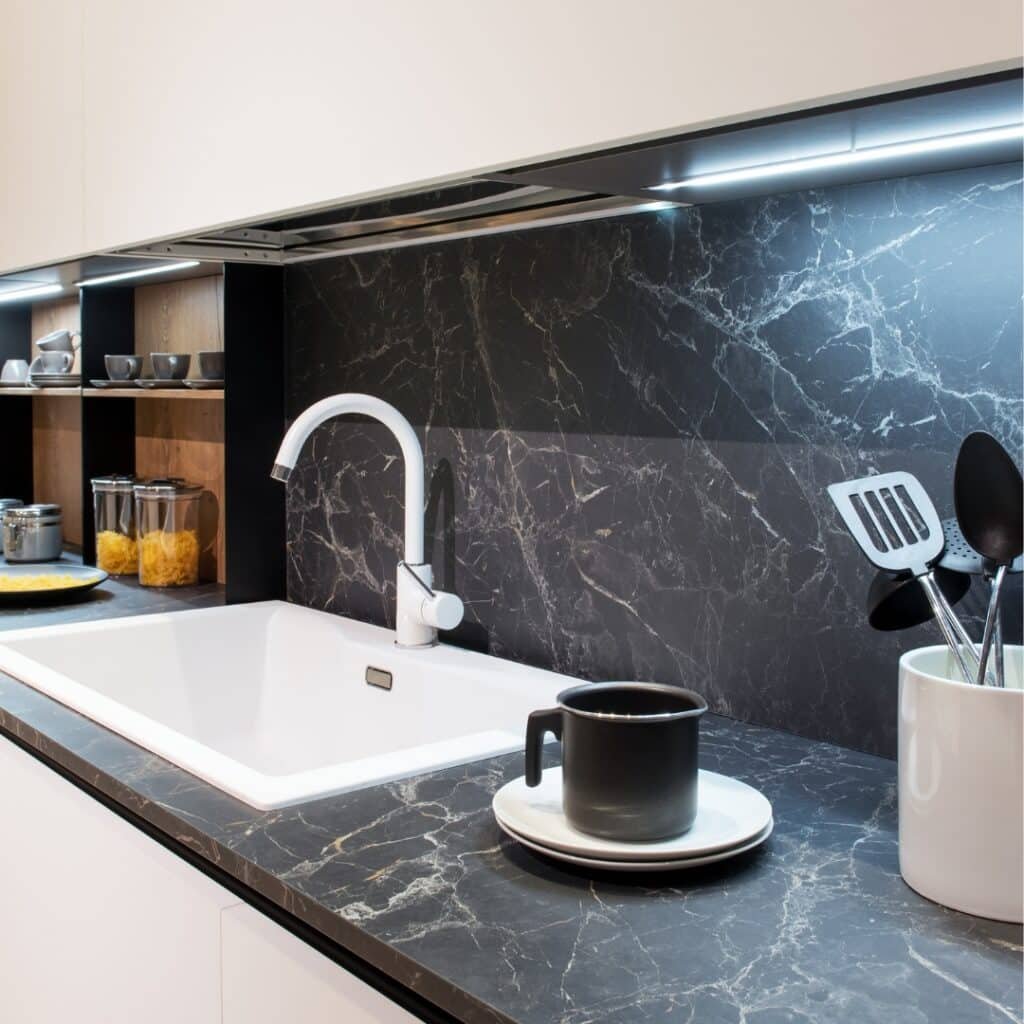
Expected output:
(205, 112)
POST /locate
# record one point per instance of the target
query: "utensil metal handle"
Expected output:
(998, 653)
(932, 592)
(990, 622)
(965, 642)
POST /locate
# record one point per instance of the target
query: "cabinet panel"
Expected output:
(270, 976)
(100, 923)
(41, 168)
(201, 114)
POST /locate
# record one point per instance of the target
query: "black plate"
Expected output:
(89, 576)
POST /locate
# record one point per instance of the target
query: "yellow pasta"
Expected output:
(169, 558)
(116, 553)
(42, 581)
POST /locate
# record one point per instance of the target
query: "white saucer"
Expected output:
(682, 864)
(729, 814)
(54, 380)
(200, 384)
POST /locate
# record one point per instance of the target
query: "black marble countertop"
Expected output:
(116, 597)
(415, 878)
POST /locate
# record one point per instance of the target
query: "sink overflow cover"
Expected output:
(378, 677)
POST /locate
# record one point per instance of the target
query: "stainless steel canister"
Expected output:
(5, 504)
(33, 533)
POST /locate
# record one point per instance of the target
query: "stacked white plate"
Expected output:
(732, 817)
(56, 380)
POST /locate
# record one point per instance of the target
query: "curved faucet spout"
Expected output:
(412, 454)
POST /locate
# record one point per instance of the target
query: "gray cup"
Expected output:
(629, 758)
(170, 365)
(53, 362)
(211, 365)
(123, 367)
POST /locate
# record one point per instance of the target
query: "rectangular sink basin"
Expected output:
(270, 702)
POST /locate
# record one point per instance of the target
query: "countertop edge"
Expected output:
(351, 939)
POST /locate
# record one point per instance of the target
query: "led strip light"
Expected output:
(128, 274)
(36, 291)
(849, 158)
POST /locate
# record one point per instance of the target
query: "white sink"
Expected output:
(269, 701)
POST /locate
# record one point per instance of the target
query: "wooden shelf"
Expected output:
(33, 392)
(175, 393)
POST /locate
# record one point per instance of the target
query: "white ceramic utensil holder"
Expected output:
(961, 785)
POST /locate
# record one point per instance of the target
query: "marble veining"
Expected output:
(416, 879)
(629, 426)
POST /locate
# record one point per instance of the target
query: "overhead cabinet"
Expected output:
(41, 132)
(172, 118)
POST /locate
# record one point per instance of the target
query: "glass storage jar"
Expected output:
(167, 518)
(114, 511)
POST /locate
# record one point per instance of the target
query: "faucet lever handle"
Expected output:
(437, 609)
(442, 611)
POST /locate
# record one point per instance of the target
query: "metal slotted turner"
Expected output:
(895, 524)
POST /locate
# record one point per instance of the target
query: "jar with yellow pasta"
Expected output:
(167, 514)
(114, 513)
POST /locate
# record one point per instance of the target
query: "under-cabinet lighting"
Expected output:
(165, 268)
(850, 158)
(36, 291)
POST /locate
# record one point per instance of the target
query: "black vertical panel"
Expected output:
(16, 412)
(253, 426)
(108, 424)
(15, 331)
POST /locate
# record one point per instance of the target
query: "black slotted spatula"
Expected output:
(895, 524)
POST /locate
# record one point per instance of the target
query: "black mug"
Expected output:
(629, 758)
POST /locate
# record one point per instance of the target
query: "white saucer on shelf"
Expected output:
(729, 814)
(158, 383)
(679, 864)
(200, 384)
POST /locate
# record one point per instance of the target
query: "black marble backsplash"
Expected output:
(629, 426)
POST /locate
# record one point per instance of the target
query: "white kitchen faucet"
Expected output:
(422, 611)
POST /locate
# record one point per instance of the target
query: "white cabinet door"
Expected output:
(270, 976)
(201, 113)
(98, 923)
(41, 215)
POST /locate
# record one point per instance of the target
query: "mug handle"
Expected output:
(539, 723)
(69, 360)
